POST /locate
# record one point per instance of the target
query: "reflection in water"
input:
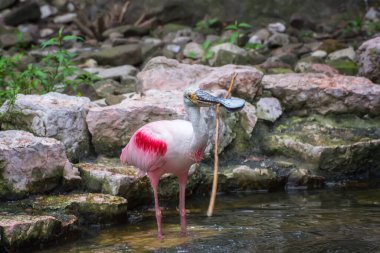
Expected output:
(323, 221)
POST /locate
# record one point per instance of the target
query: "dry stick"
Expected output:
(216, 156)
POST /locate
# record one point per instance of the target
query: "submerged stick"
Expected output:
(216, 156)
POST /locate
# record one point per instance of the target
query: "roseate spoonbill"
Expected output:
(172, 146)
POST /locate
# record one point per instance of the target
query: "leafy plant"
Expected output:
(237, 28)
(208, 54)
(206, 25)
(254, 46)
(55, 68)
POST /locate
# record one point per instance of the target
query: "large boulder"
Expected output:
(369, 59)
(331, 146)
(324, 94)
(53, 115)
(111, 127)
(29, 164)
(167, 74)
(29, 11)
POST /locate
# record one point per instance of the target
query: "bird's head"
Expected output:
(199, 98)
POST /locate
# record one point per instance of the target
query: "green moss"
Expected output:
(344, 66)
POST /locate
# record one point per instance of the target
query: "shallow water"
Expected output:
(299, 221)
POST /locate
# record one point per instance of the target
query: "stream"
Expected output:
(295, 221)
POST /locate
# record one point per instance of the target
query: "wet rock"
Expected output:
(166, 74)
(53, 115)
(369, 59)
(324, 94)
(119, 55)
(29, 164)
(193, 50)
(22, 231)
(90, 208)
(27, 12)
(7, 3)
(331, 146)
(268, 109)
(228, 53)
(347, 53)
(276, 27)
(277, 40)
(253, 179)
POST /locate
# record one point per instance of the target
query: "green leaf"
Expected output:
(72, 37)
(244, 25)
(234, 37)
(213, 21)
(231, 27)
(51, 42)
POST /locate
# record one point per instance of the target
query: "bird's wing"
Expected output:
(146, 150)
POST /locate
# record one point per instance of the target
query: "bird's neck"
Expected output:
(200, 129)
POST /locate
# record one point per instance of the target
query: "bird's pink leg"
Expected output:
(154, 179)
(182, 180)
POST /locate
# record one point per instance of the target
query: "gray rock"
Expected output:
(369, 59)
(278, 40)
(8, 40)
(372, 14)
(330, 146)
(193, 50)
(319, 54)
(119, 55)
(29, 164)
(22, 231)
(228, 53)
(90, 208)
(253, 179)
(116, 73)
(268, 109)
(47, 11)
(53, 115)
(29, 11)
(65, 18)
(347, 53)
(276, 27)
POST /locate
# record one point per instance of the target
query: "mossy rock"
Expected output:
(344, 66)
(90, 208)
(331, 146)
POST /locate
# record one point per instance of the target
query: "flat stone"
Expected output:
(253, 179)
(65, 18)
(347, 53)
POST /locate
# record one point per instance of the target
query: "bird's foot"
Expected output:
(160, 236)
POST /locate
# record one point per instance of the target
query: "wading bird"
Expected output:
(172, 146)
